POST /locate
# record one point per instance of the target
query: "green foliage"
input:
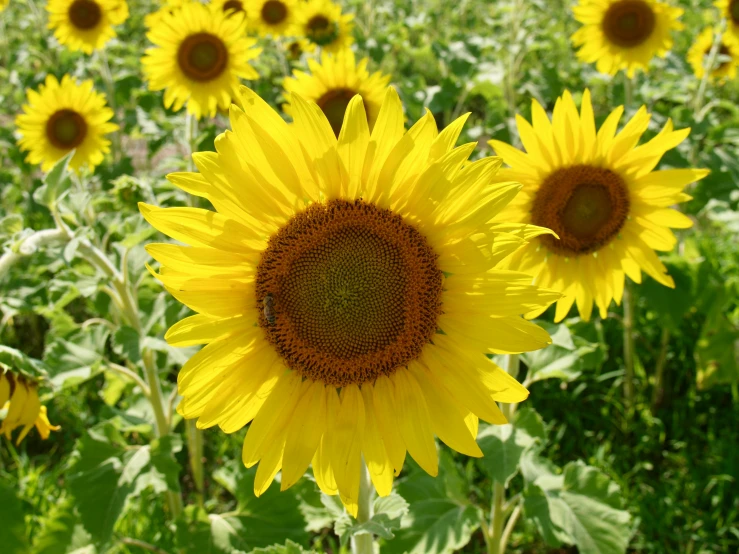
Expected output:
(12, 531)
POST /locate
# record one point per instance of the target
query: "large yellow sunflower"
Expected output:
(333, 82)
(725, 66)
(272, 17)
(322, 23)
(730, 10)
(62, 117)
(624, 34)
(347, 291)
(200, 55)
(85, 25)
(599, 193)
(20, 397)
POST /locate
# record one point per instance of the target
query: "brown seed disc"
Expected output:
(66, 129)
(585, 205)
(629, 23)
(348, 292)
(233, 6)
(334, 104)
(85, 14)
(202, 57)
(734, 11)
(321, 30)
(274, 12)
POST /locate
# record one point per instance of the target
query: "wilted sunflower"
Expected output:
(599, 193)
(170, 7)
(624, 34)
(201, 54)
(62, 117)
(24, 408)
(333, 82)
(323, 24)
(726, 64)
(347, 292)
(730, 10)
(85, 25)
(272, 17)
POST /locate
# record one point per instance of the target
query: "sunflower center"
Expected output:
(348, 292)
(85, 14)
(233, 5)
(734, 11)
(202, 57)
(333, 104)
(66, 129)
(321, 30)
(629, 23)
(274, 12)
(585, 205)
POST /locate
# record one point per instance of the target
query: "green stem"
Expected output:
(195, 453)
(660, 368)
(628, 92)
(710, 62)
(362, 544)
(512, 520)
(628, 327)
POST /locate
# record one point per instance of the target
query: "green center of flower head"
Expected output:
(233, 6)
(348, 292)
(333, 104)
(66, 129)
(274, 12)
(202, 57)
(629, 23)
(321, 30)
(586, 206)
(85, 14)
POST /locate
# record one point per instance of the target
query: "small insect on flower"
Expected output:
(269, 308)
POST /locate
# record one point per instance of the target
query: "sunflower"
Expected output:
(322, 23)
(170, 7)
(333, 82)
(230, 6)
(24, 409)
(346, 291)
(199, 56)
(272, 17)
(295, 48)
(730, 10)
(598, 192)
(624, 34)
(726, 65)
(85, 25)
(62, 117)
(4, 4)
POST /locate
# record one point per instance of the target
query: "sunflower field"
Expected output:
(359, 276)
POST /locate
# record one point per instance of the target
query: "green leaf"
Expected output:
(672, 304)
(536, 507)
(15, 360)
(289, 547)
(13, 527)
(61, 530)
(717, 350)
(10, 225)
(386, 517)
(126, 343)
(56, 183)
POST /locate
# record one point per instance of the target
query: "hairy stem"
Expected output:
(628, 327)
(195, 454)
(362, 544)
(29, 245)
(660, 369)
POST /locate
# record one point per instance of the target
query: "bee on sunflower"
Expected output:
(730, 11)
(624, 34)
(726, 63)
(333, 82)
(347, 291)
(200, 53)
(599, 193)
(272, 17)
(85, 25)
(323, 24)
(61, 117)
(19, 397)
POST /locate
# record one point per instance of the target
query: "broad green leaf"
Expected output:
(536, 508)
(56, 183)
(12, 527)
(126, 343)
(672, 304)
(386, 518)
(10, 225)
(717, 350)
(17, 361)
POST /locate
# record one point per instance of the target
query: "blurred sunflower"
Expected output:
(19, 396)
(730, 10)
(170, 7)
(321, 22)
(272, 17)
(200, 55)
(347, 291)
(624, 34)
(4, 4)
(599, 193)
(297, 47)
(726, 64)
(62, 117)
(231, 6)
(333, 82)
(85, 25)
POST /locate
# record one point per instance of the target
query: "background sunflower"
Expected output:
(323, 24)
(85, 25)
(727, 59)
(272, 17)
(730, 11)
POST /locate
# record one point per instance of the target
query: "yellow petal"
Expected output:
(415, 422)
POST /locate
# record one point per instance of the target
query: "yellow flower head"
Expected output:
(346, 290)
(4, 4)
(726, 62)
(272, 17)
(730, 11)
(200, 55)
(19, 396)
(598, 192)
(62, 117)
(333, 82)
(170, 6)
(231, 6)
(624, 34)
(295, 48)
(85, 25)
(321, 22)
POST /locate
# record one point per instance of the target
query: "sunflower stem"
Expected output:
(628, 92)
(363, 544)
(195, 452)
(110, 90)
(709, 63)
(628, 327)
(657, 392)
